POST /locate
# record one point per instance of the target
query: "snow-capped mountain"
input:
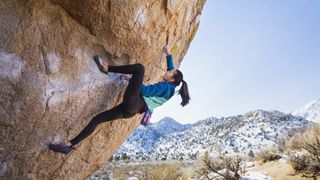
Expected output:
(310, 111)
(168, 139)
(168, 125)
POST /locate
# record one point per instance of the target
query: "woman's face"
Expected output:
(168, 76)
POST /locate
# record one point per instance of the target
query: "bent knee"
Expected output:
(139, 67)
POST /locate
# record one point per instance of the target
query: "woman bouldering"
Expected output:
(138, 98)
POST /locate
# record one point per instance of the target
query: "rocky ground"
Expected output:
(278, 170)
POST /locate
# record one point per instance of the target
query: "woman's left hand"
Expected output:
(166, 49)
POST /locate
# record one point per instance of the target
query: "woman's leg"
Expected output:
(131, 99)
(112, 114)
(125, 109)
(129, 107)
(109, 115)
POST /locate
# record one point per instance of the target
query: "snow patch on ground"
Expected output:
(284, 158)
(133, 178)
(249, 164)
(255, 175)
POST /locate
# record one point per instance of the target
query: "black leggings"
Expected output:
(132, 102)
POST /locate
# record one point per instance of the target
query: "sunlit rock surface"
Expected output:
(51, 87)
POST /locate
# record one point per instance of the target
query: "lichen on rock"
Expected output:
(51, 87)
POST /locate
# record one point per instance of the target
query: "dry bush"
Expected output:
(220, 168)
(306, 164)
(299, 161)
(164, 172)
(268, 155)
(282, 143)
(308, 161)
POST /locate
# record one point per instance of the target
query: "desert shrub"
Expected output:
(124, 156)
(251, 154)
(268, 155)
(308, 143)
(164, 172)
(221, 167)
(299, 161)
(282, 142)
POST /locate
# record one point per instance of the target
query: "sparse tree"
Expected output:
(117, 158)
(236, 150)
(226, 167)
(251, 154)
(124, 156)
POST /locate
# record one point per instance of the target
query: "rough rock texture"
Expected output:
(51, 87)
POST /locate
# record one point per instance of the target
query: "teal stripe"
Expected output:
(154, 102)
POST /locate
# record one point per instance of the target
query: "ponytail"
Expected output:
(184, 92)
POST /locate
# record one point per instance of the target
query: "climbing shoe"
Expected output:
(61, 148)
(102, 65)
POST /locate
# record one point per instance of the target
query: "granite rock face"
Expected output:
(51, 87)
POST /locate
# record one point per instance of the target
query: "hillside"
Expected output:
(231, 135)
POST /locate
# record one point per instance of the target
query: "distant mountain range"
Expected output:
(310, 111)
(253, 131)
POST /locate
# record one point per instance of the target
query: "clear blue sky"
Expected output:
(250, 55)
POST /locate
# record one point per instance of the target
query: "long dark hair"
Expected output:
(184, 92)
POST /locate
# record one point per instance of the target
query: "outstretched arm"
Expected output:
(157, 89)
(169, 58)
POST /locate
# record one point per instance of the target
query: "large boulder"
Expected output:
(51, 87)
